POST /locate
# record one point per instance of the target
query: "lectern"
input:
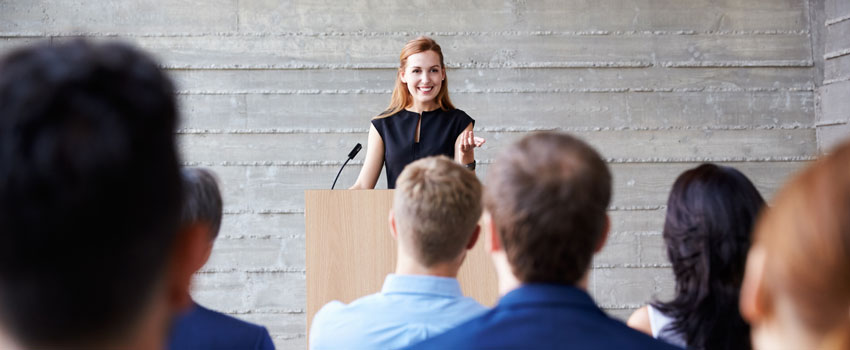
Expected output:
(350, 250)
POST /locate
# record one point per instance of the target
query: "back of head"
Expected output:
(89, 190)
(548, 195)
(711, 212)
(201, 199)
(805, 237)
(437, 204)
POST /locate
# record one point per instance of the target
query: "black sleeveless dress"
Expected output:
(437, 135)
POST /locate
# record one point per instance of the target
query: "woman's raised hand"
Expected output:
(467, 141)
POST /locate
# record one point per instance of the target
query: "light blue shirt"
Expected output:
(409, 309)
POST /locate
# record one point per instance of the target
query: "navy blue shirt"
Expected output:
(202, 328)
(437, 135)
(544, 316)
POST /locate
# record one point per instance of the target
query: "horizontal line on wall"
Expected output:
(450, 65)
(508, 65)
(289, 337)
(262, 211)
(836, 20)
(737, 64)
(832, 122)
(215, 270)
(659, 160)
(282, 237)
(500, 91)
(637, 233)
(622, 306)
(837, 54)
(276, 270)
(409, 34)
(304, 270)
(612, 208)
(258, 237)
(286, 131)
(637, 208)
(263, 311)
(253, 270)
(631, 266)
(836, 80)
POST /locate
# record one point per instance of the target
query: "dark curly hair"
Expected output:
(711, 212)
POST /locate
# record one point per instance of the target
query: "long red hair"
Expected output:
(401, 96)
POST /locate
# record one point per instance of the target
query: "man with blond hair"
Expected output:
(434, 221)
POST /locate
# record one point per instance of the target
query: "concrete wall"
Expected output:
(833, 119)
(275, 93)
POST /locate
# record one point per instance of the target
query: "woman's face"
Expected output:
(424, 77)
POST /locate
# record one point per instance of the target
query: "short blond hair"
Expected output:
(437, 205)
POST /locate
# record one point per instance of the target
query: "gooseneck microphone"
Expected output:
(350, 157)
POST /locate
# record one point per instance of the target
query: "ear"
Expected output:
(401, 76)
(191, 250)
(206, 255)
(754, 300)
(491, 235)
(604, 237)
(444, 73)
(474, 237)
(393, 229)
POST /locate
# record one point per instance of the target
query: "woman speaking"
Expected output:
(420, 120)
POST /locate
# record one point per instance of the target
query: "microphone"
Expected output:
(350, 157)
(354, 151)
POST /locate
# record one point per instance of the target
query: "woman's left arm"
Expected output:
(465, 145)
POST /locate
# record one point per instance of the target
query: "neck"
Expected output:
(784, 330)
(507, 279)
(419, 107)
(407, 265)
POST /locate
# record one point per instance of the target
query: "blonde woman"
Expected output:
(420, 121)
(796, 290)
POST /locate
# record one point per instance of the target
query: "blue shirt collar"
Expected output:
(422, 284)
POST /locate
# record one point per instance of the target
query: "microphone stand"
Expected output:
(350, 157)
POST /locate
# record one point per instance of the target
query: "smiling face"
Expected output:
(424, 76)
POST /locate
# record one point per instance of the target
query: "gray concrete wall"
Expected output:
(833, 117)
(275, 93)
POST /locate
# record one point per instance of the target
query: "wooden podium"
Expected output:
(350, 250)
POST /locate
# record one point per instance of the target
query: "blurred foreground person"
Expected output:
(796, 292)
(547, 197)
(711, 212)
(91, 254)
(434, 221)
(199, 327)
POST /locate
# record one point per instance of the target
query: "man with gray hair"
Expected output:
(434, 220)
(199, 327)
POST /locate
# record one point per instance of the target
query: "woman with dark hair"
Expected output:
(710, 216)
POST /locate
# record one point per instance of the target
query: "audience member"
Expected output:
(796, 290)
(711, 212)
(91, 254)
(199, 327)
(547, 197)
(434, 221)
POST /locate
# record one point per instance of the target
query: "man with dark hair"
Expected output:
(547, 197)
(434, 220)
(199, 327)
(91, 253)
